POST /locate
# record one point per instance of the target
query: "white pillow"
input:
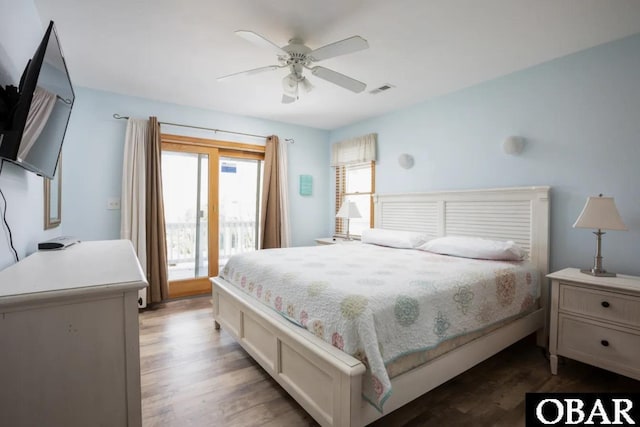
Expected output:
(475, 247)
(393, 238)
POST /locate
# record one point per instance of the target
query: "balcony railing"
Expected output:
(187, 253)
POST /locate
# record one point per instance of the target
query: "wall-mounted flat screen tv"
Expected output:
(34, 116)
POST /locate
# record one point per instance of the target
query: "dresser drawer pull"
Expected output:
(605, 304)
(605, 343)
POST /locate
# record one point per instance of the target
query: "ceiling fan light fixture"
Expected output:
(306, 85)
(287, 99)
(290, 86)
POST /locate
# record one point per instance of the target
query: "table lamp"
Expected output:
(348, 210)
(599, 213)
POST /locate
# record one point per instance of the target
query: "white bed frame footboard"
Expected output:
(328, 382)
(324, 380)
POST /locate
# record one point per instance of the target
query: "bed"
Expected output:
(328, 382)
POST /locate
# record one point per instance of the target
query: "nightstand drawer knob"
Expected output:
(605, 304)
(605, 343)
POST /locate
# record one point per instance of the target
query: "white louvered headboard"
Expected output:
(520, 214)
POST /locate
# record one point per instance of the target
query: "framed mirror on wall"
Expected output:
(52, 199)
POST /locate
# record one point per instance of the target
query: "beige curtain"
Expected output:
(283, 184)
(133, 216)
(158, 289)
(271, 213)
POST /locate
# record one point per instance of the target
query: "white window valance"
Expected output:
(361, 149)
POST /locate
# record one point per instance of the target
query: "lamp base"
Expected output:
(597, 269)
(598, 273)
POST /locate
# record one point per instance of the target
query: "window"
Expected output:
(355, 183)
(354, 160)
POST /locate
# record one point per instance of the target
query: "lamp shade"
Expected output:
(601, 213)
(348, 210)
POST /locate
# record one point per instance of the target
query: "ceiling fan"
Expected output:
(296, 57)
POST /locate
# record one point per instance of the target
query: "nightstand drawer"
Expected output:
(603, 305)
(593, 343)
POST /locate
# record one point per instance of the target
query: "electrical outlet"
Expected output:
(113, 203)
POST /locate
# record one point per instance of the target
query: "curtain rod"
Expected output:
(118, 116)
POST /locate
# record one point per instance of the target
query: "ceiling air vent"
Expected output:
(381, 89)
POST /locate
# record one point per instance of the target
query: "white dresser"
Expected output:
(595, 320)
(69, 338)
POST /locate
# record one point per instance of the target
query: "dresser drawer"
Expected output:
(609, 306)
(611, 348)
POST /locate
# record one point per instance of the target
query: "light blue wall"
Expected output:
(581, 117)
(93, 150)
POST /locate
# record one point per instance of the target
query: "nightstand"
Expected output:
(595, 320)
(333, 240)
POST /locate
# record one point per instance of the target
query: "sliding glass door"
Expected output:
(189, 187)
(212, 202)
(240, 182)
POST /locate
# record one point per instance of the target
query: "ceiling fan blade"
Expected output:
(339, 79)
(261, 41)
(250, 72)
(352, 44)
(286, 99)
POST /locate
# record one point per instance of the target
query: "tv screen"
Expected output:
(36, 123)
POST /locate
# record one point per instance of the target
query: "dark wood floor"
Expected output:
(193, 375)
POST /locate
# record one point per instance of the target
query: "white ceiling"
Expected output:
(172, 51)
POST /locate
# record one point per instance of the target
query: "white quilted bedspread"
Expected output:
(379, 303)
